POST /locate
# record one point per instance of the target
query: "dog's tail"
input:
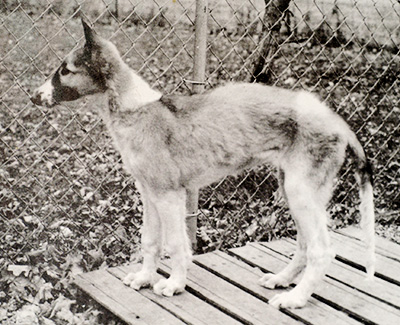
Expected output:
(364, 178)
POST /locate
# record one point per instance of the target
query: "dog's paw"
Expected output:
(168, 287)
(289, 299)
(140, 279)
(272, 281)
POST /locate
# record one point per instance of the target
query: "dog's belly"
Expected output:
(203, 177)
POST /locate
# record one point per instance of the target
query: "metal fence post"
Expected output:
(200, 46)
(199, 71)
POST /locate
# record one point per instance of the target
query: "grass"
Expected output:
(66, 204)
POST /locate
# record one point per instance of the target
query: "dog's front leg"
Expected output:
(171, 207)
(151, 245)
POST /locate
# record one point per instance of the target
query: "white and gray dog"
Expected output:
(174, 143)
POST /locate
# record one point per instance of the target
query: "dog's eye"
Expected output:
(65, 71)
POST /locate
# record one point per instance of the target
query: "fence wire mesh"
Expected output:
(65, 200)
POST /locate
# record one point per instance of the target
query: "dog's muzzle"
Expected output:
(37, 99)
(43, 96)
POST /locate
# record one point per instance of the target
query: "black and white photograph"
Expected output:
(199, 162)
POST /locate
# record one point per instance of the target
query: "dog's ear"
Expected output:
(91, 37)
(102, 56)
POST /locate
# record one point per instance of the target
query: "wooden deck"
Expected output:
(223, 289)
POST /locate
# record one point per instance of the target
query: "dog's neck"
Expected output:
(132, 91)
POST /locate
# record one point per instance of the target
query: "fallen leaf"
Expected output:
(46, 321)
(66, 232)
(61, 303)
(27, 315)
(44, 293)
(17, 270)
(3, 313)
(251, 229)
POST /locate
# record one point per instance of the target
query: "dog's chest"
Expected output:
(141, 155)
(128, 144)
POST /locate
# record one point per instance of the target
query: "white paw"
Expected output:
(168, 287)
(140, 279)
(291, 299)
(272, 281)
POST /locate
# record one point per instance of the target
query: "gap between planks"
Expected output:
(223, 289)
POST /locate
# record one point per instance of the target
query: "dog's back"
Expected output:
(203, 137)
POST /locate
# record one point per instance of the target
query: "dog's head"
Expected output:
(85, 71)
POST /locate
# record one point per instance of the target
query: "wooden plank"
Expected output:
(185, 306)
(224, 290)
(227, 297)
(354, 254)
(105, 300)
(384, 246)
(354, 278)
(358, 305)
(246, 278)
(127, 304)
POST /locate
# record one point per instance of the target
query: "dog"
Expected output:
(174, 143)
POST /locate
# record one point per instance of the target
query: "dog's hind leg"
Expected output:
(171, 207)
(307, 199)
(297, 264)
(151, 245)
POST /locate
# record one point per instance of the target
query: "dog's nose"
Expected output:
(37, 99)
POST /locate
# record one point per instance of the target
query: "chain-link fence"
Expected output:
(67, 205)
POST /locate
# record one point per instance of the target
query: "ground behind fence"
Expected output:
(67, 205)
